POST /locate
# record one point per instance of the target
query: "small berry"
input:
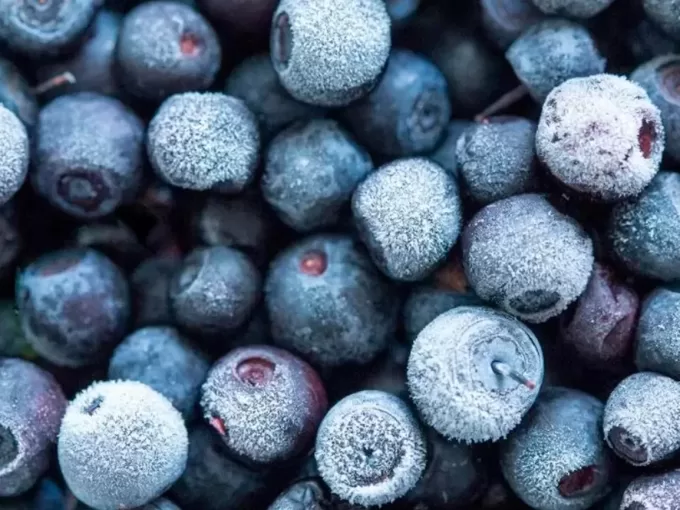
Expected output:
(655, 492)
(505, 20)
(657, 346)
(664, 13)
(16, 95)
(573, 8)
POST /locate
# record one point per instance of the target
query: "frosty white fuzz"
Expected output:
(14, 154)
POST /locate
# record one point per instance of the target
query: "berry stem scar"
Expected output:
(54, 82)
(507, 371)
(503, 102)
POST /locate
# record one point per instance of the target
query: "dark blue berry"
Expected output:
(505, 20)
(657, 345)
(150, 284)
(247, 17)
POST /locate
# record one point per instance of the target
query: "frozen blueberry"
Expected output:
(505, 20)
(255, 82)
(474, 372)
(496, 158)
(330, 53)
(89, 154)
(31, 407)
(526, 257)
(44, 28)
(556, 458)
(645, 231)
(74, 306)
(370, 449)
(601, 136)
(646, 41)
(665, 14)
(14, 154)
(600, 328)
(446, 153)
(407, 112)
(408, 213)
(165, 48)
(247, 17)
(149, 285)
(204, 140)
(573, 8)
(93, 65)
(265, 403)
(214, 291)
(660, 77)
(640, 418)
(311, 170)
(657, 346)
(16, 95)
(655, 492)
(552, 52)
(121, 445)
(327, 302)
(160, 358)
(303, 495)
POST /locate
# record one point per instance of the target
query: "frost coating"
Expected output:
(657, 492)
(330, 53)
(573, 8)
(121, 445)
(370, 449)
(601, 136)
(408, 213)
(14, 154)
(204, 140)
(453, 384)
(657, 346)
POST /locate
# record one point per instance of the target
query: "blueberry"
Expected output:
(165, 48)
(407, 112)
(655, 492)
(657, 346)
(645, 41)
(370, 449)
(121, 445)
(302, 495)
(330, 53)
(163, 360)
(526, 257)
(446, 153)
(664, 13)
(89, 154)
(214, 291)
(74, 306)
(31, 407)
(408, 213)
(44, 29)
(14, 154)
(474, 372)
(573, 8)
(248, 17)
(556, 459)
(201, 141)
(644, 231)
(601, 136)
(16, 95)
(640, 422)
(311, 170)
(401, 11)
(149, 285)
(327, 302)
(505, 20)
(256, 83)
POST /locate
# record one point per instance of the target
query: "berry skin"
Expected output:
(302, 495)
(121, 445)
(14, 154)
(408, 214)
(149, 284)
(310, 173)
(160, 358)
(665, 14)
(407, 112)
(556, 458)
(505, 20)
(327, 302)
(89, 154)
(165, 48)
(204, 141)
(655, 492)
(526, 257)
(496, 158)
(445, 154)
(657, 346)
(644, 231)
(330, 53)
(552, 52)
(265, 403)
(454, 379)
(573, 8)
(601, 136)
(640, 422)
(31, 407)
(215, 291)
(248, 17)
(16, 95)
(370, 449)
(74, 306)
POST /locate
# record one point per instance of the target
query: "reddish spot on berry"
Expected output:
(189, 44)
(314, 263)
(646, 138)
(578, 482)
(255, 371)
(218, 425)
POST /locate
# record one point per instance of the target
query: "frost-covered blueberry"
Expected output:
(407, 112)
(16, 95)
(311, 171)
(31, 407)
(408, 213)
(601, 136)
(330, 53)
(655, 492)
(265, 403)
(644, 232)
(14, 154)
(657, 346)
(556, 458)
(640, 418)
(665, 14)
(201, 141)
(526, 257)
(505, 20)
(74, 306)
(214, 291)
(121, 445)
(149, 285)
(327, 302)
(497, 159)
(473, 372)
(552, 52)
(370, 449)
(446, 153)
(573, 8)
